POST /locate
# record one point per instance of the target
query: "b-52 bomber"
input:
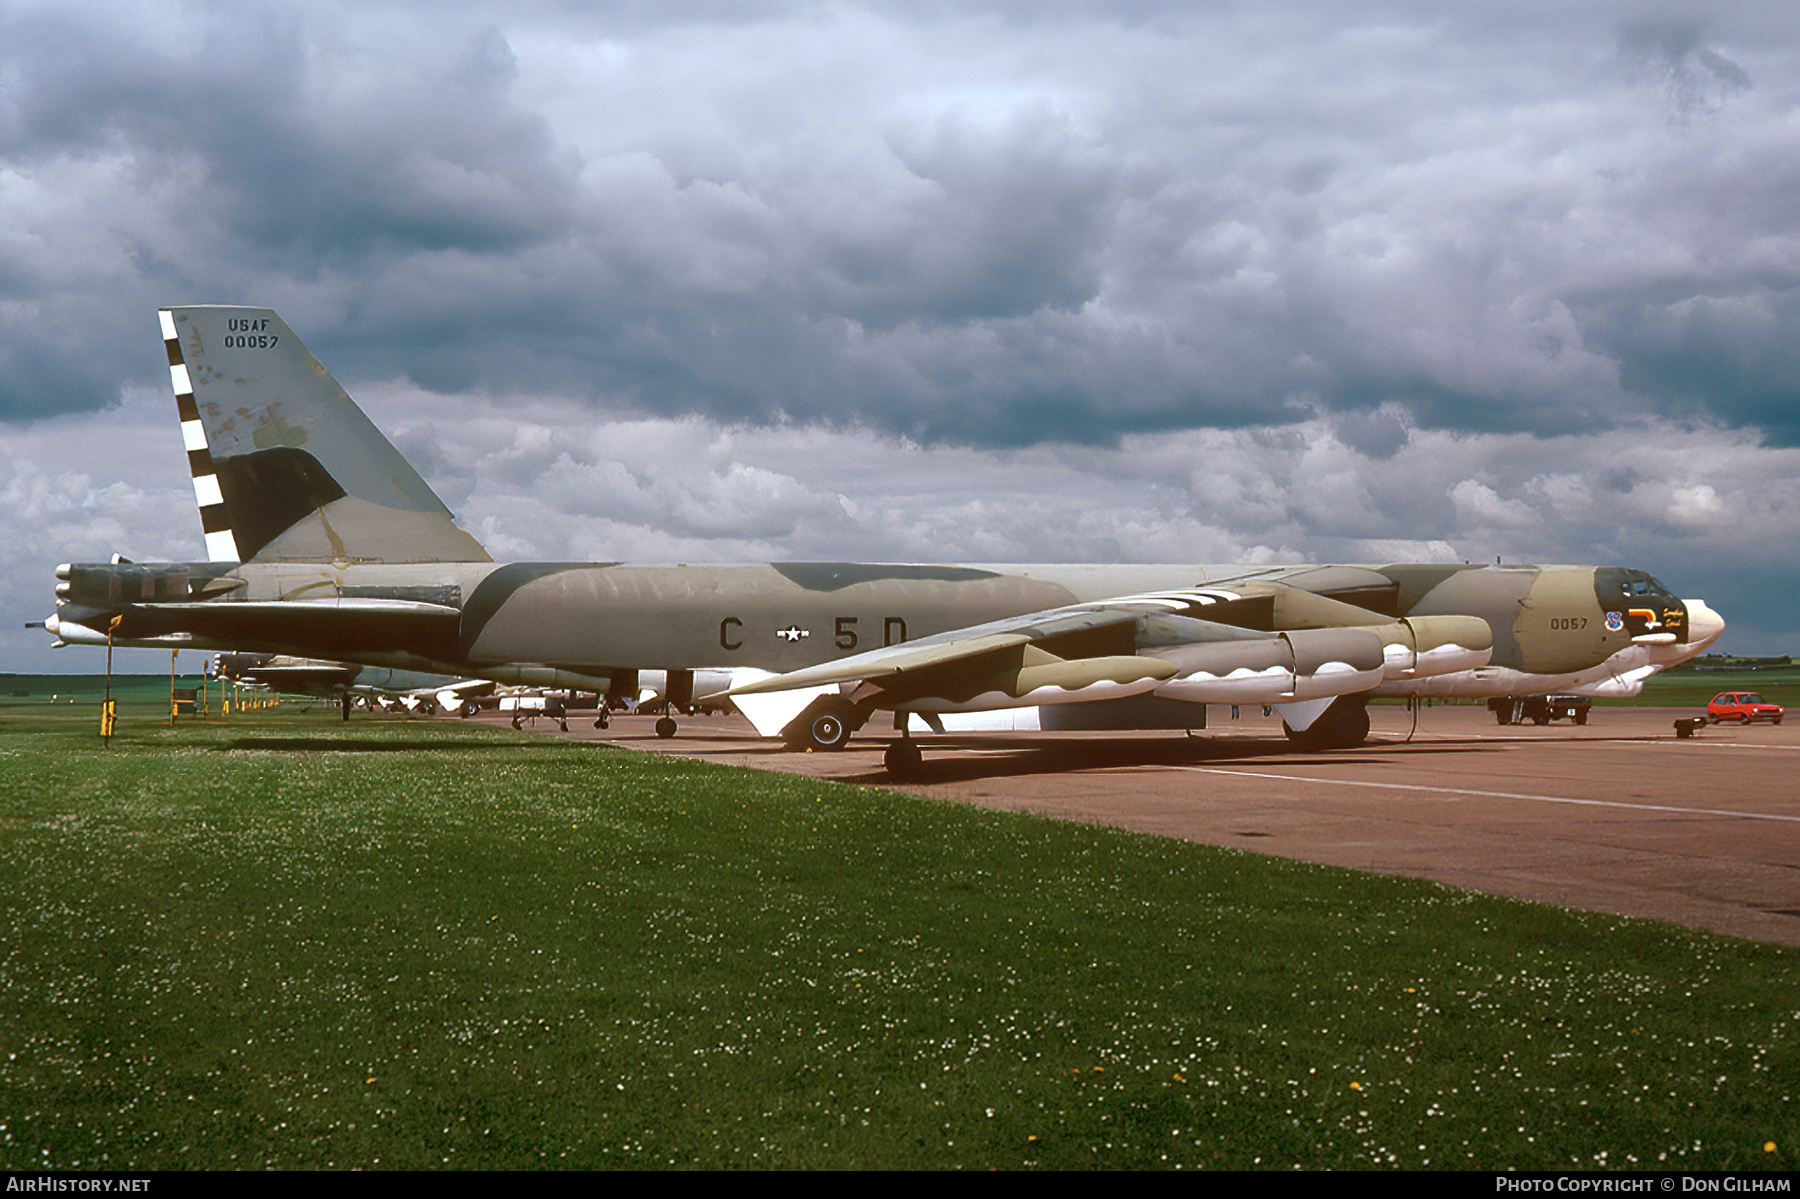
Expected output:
(323, 542)
(349, 683)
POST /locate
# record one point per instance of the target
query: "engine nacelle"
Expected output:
(1283, 668)
(1426, 646)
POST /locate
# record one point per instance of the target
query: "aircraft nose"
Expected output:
(1704, 625)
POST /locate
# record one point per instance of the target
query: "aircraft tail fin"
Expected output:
(286, 467)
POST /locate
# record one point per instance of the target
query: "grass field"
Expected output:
(280, 941)
(1692, 689)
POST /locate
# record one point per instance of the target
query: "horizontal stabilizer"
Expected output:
(321, 628)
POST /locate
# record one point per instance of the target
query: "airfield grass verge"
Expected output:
(1689, 688)
(280, 941)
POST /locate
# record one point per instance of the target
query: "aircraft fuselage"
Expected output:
(1567, 626)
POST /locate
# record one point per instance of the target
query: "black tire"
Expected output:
(828, 731)
(825, 725)
(665, 727)
(1344, 725)
(902, 758)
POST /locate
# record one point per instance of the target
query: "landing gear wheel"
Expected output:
(469, 708)
(1344, 725)
(828, 730)
(665, 726)
(825, 725)
(601, 721)
(902, 758)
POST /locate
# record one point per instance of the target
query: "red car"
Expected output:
(1746, 706)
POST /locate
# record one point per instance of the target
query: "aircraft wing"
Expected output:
(929, 653)
(1246, 642)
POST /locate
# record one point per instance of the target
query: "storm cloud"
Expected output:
(1258, 282)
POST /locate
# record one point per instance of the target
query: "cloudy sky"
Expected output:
(1031, 281)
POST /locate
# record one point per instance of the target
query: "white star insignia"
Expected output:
(793, 633)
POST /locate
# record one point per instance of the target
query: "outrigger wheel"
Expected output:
(902, 758)
(1341, 726)
(665, 726)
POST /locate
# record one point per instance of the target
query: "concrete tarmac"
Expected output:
(1617, 816)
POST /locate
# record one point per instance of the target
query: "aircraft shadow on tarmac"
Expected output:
(951, 761)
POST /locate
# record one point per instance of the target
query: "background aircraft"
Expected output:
(323, 542)
(350, 683)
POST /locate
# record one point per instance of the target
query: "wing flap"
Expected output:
(881, 663)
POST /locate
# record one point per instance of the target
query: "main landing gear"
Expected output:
(902, 758)
(665, 724)
(825, 725)
(1343, 725)
(828, 722)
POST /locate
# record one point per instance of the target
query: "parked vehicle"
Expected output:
(1539, 709)
(1746, 706)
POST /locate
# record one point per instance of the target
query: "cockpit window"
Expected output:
(1631, 584)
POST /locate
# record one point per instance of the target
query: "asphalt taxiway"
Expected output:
(1617, 816)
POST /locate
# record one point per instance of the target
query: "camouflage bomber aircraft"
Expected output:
(323, 542)
(349, 683)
